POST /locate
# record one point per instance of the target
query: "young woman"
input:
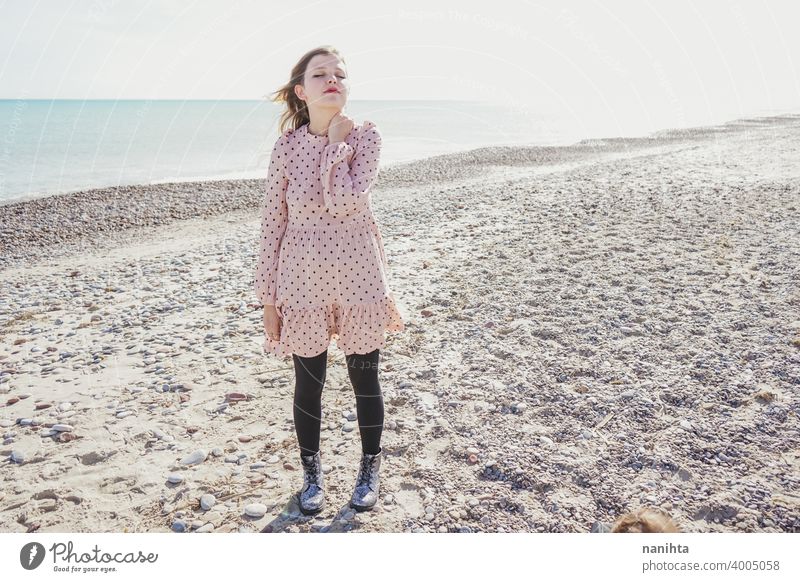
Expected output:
(321, 270)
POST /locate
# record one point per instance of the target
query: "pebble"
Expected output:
(175, 478)
(257, 510)
(207, 501)
(194, 458)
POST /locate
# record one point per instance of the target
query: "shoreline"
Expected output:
(75, 222)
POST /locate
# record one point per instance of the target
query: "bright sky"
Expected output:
(612, 55)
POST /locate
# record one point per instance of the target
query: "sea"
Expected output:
(54, 146)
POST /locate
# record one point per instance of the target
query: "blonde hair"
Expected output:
(295, 113)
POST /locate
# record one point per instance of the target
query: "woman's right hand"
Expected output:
(272, 322)
(339, 128)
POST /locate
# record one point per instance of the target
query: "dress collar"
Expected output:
(313, 135)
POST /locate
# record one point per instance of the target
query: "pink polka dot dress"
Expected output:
(321, 260)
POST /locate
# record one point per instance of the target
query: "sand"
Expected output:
(589, 330)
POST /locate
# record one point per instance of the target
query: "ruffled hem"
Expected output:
(358, 328)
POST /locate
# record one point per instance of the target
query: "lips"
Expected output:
(332, 91)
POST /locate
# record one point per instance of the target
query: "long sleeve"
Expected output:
(346, 184)
(274, 218)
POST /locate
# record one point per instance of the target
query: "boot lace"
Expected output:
(311, 471)
(364, 472)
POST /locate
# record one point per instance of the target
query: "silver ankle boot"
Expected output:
(368, 482)
(312, 495)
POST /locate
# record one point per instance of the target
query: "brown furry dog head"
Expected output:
(645, 520)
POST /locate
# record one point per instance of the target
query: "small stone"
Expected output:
(194, 458)
(175, 478)
(257, 510)
(207, 501)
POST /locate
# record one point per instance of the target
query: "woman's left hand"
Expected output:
(339, 127)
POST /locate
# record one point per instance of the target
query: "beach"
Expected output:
(590, 329)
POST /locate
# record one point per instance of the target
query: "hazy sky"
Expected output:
(613, 57)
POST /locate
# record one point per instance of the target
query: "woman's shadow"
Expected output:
(342, 522)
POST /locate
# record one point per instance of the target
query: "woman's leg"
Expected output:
(363, 370)
(309, 380)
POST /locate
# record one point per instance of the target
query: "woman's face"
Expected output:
(325, 84)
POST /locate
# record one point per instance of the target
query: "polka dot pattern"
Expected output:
(321, 257)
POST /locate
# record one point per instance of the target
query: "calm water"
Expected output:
(51, 146)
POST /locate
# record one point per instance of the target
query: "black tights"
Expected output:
(310, 375)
